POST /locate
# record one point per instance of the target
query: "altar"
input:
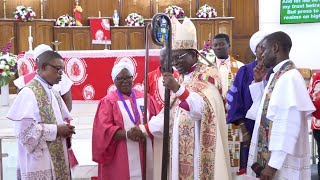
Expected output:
(90, 71)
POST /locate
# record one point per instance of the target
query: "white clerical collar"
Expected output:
(224, 61)
(278, 66)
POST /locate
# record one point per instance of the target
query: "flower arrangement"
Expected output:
(24, 13)
(65, 20)
(206, 11)
(174, 11)
(207, 51)
(8, 64)
(134, 19)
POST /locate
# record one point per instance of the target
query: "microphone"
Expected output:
(257, 168)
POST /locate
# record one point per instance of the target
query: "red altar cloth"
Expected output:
(91, 70)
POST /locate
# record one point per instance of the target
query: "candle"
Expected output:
(99, 14)
(29, 31)
(190, 9)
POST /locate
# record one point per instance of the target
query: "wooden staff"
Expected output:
(145, 110)
(156, 28)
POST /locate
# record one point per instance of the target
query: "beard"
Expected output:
(269, 62)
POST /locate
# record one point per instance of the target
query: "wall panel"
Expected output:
(55, 8)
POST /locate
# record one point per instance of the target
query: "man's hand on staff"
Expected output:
(170, 82)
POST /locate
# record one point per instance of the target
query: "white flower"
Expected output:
(2, 62)
(206, 11)
(6, 67)
(1, 66)
(4, 74)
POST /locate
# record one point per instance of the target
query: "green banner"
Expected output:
(299, 11)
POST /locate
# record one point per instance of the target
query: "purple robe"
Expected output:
(239, 98)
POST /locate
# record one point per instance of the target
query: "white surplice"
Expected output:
(289, 108)
(34, 160)
(224, 68)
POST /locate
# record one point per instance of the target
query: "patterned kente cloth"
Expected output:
(233, 130)
(265, 124)
(47, 116)
(213, 137)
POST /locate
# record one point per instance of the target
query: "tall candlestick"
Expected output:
(29, 31)
(190, 8)
(223, 8)
(41, 9)
(4, 9)
(106, 44)
(157, 6)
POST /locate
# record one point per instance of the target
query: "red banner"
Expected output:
(91, 70)
(100, 30)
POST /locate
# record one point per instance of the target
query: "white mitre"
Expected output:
(184, 36)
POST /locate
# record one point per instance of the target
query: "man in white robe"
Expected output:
(280, 143)
(39, 113)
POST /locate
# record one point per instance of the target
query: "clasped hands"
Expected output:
(65, 130)
(135, 134)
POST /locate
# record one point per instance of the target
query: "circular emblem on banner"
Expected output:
(25, 66)
(130, 60)
(76, 70)
(112, 87)
(88, 92)
(99, 35)
(105, 24)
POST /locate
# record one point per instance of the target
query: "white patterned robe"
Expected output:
(34, 160)
(289, 108)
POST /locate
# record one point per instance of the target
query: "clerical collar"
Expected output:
(44, 82)
(192, 68)
(223, 60)
(278, 66)
(220, 62)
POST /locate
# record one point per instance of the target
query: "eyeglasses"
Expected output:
(122, 79)
(58, 68)
(179, 58)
